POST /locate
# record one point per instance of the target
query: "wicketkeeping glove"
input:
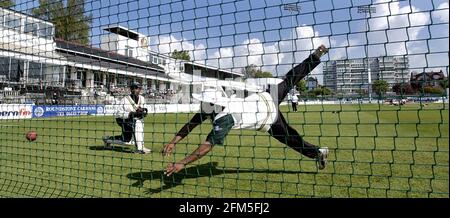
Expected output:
(140, 113)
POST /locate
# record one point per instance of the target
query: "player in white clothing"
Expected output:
(130, 115)
(258, 111)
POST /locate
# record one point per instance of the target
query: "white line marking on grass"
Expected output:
(9, 125)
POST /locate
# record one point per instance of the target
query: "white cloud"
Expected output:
(409, 23)
(398, 17)
(442, 12)
(253, 51)
(416, 24)
(165, 44)
(305, 42)
(274, 57)
(222, 58)
(277, 57)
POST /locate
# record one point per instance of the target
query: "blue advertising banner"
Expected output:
(66, 110)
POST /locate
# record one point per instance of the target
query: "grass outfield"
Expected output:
(376, 151)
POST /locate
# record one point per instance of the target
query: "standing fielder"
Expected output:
(294, 101)
(259, 111)
(130, 117)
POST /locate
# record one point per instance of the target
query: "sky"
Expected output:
(231, 34)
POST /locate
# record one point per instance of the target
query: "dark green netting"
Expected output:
(378, 100)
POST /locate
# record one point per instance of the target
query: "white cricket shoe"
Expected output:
(109, 141)
(146, 150)
(323, 158)
(130, 143)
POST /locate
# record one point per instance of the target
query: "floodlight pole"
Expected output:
(366, 9)
(292, 8)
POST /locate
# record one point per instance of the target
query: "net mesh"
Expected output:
(378, 100)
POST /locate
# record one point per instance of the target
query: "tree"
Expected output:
(250, 71)
(7, 3)
(301, 86)
(361, 91)
(71, 23)
(433, 90)
(181, 55)
(380, 87)
(263, 74)
(324, 91)
(320, 91)
(403, 89)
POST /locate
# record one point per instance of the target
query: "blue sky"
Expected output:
(230, 34)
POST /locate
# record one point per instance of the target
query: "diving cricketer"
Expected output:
(258, 111)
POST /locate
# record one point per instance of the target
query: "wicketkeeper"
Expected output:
(259, 111)
(130, 115)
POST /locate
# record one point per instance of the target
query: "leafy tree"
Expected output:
(301, 86)
(263, 74)
(68, 16)
(361, 91)
(433, 90)
(7, 3)
(325, 91)
(403, 89)
(251, 71)
(181, 55)
(320, 91)
(380, 87)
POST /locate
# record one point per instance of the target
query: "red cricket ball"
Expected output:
(31, 136)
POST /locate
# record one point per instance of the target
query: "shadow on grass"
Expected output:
(198, 171)
(121, 149)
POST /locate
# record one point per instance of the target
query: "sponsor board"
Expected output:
(15, 111)
(66, 110)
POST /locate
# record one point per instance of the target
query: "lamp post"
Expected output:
(293, 9)
(367, 9)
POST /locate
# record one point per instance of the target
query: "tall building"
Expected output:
(351, 76)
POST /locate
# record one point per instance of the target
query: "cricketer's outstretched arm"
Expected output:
(299, 72)
(196, 120)
(201, 151)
